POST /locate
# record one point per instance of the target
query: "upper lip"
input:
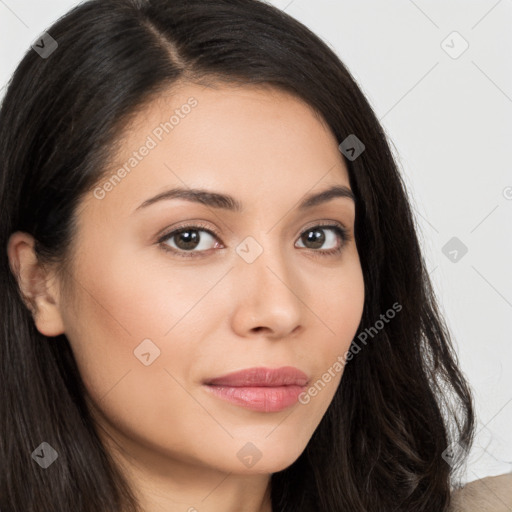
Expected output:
(262, 377)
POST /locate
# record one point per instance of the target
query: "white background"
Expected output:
(450, 122)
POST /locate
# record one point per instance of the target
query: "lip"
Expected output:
(260, 389)
(262, 377)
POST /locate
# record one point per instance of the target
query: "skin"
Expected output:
(213, 314)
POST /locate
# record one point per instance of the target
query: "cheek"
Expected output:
(351, 304)
(340, 307)
(116, 317)
(128, 307)
(136, 294)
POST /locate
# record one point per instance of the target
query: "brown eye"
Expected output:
(193, 240)
(315, 238)
(189, 239)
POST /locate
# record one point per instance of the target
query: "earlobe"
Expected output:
(38, 287)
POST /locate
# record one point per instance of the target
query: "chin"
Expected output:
(265, 457)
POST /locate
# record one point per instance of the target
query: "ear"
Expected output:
(39, 288)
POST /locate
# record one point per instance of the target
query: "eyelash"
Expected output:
(338, 228)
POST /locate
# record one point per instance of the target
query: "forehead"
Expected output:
(255, 143)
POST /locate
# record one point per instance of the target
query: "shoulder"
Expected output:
(490, 494)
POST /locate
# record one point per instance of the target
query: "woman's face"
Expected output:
(153, 317)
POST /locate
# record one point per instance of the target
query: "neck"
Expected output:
(165, 484)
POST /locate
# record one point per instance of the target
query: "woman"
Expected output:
(214, 295)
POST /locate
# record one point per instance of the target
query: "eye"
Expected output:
(187, 238)
(316, 238)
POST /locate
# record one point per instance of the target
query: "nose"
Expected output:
(267, 297)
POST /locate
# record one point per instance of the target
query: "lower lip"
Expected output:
(262, 399)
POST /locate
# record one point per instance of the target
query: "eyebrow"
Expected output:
(229, 203)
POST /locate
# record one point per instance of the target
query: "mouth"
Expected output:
(260, 389)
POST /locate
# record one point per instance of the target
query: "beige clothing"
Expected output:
(490, 494)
